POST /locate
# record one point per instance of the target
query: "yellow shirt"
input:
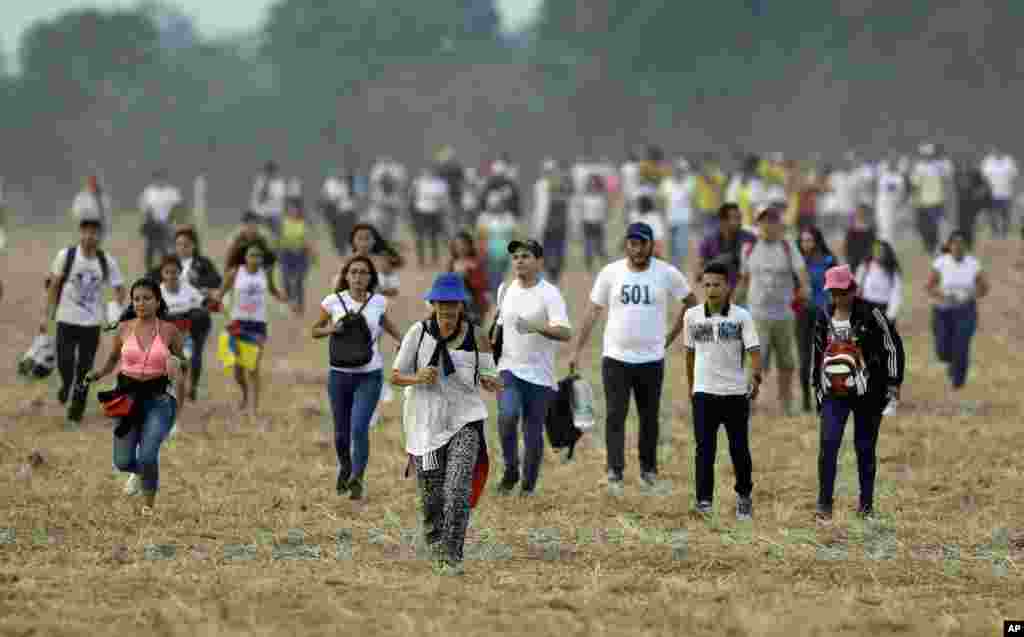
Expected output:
(709, 192)
(293, 234)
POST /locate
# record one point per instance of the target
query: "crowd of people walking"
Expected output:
(772, 288)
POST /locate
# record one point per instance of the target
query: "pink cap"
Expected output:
(838, 278)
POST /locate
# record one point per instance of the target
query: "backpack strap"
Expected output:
(416, 354)
(69, 262)
(345, 307)
(104, 266)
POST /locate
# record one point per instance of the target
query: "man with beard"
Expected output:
(636, 292)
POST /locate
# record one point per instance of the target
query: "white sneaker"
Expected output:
(133, 486)
(174, 430)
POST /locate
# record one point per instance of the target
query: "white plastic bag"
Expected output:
(582, 404)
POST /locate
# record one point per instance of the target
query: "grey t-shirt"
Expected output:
(771, 268)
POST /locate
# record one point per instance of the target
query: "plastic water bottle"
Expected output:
(187, 347)
(582, 404)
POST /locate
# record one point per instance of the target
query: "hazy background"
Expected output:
(319, 86)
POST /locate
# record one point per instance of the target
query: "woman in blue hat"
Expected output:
(445, 361)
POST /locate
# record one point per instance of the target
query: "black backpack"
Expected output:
(497, 332)
(559, 424)
(352, 345)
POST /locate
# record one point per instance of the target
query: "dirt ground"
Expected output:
(250, 539)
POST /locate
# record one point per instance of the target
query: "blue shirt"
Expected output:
(816, 267)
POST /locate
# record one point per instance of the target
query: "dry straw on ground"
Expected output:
(76, 558)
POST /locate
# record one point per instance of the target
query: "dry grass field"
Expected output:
(250, 539)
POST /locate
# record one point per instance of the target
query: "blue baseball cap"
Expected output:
(640, 230)
(448, 286)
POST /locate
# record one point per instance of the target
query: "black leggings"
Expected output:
(804, 337)
(201, 326)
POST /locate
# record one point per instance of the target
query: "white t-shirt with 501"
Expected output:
(637, 304)
(531, 357)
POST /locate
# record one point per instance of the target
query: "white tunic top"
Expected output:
(432, 414)
(250, 292)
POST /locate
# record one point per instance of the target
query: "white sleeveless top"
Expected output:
(250, 293)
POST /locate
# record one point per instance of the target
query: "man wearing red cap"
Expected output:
(858, 364)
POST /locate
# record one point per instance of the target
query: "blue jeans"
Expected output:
(867, 417)
(294, 266)
(953, 328)
(530, 402)
(680, 240)
(139, 450)
(593, 242)
(353, 400)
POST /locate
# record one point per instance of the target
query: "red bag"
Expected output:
(118, 407)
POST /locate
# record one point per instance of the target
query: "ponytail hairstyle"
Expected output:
(888, 261)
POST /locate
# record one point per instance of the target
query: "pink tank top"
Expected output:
(139, 363)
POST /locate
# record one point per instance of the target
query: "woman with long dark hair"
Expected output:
(242, 344)
(463, 260)
(354, 391)
(367, 241)
(956, 283)
(201, 273)
(445, 361)
(880, 280)
(819, 259)
(149, 350)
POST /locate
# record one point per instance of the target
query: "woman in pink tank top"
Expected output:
(148, 350)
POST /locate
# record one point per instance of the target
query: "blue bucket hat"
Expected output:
(448, 286)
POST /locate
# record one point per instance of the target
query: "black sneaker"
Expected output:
(507, 484)
(866, 512)
(649, 479)
(823, 516)
(341, 486)
(355, 489)
(62, 394)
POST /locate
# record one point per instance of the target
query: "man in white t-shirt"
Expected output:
(78, 301)
(719, 336)
(930, 178)
(678, 191)
(268, 197)
(636, 292)
(431, 211)
(773, 275)
(534, 321)
(1001, 172)
(156, 203)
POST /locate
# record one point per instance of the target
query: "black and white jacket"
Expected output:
(879, 341)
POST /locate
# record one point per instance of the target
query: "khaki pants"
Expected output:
(777, 338)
